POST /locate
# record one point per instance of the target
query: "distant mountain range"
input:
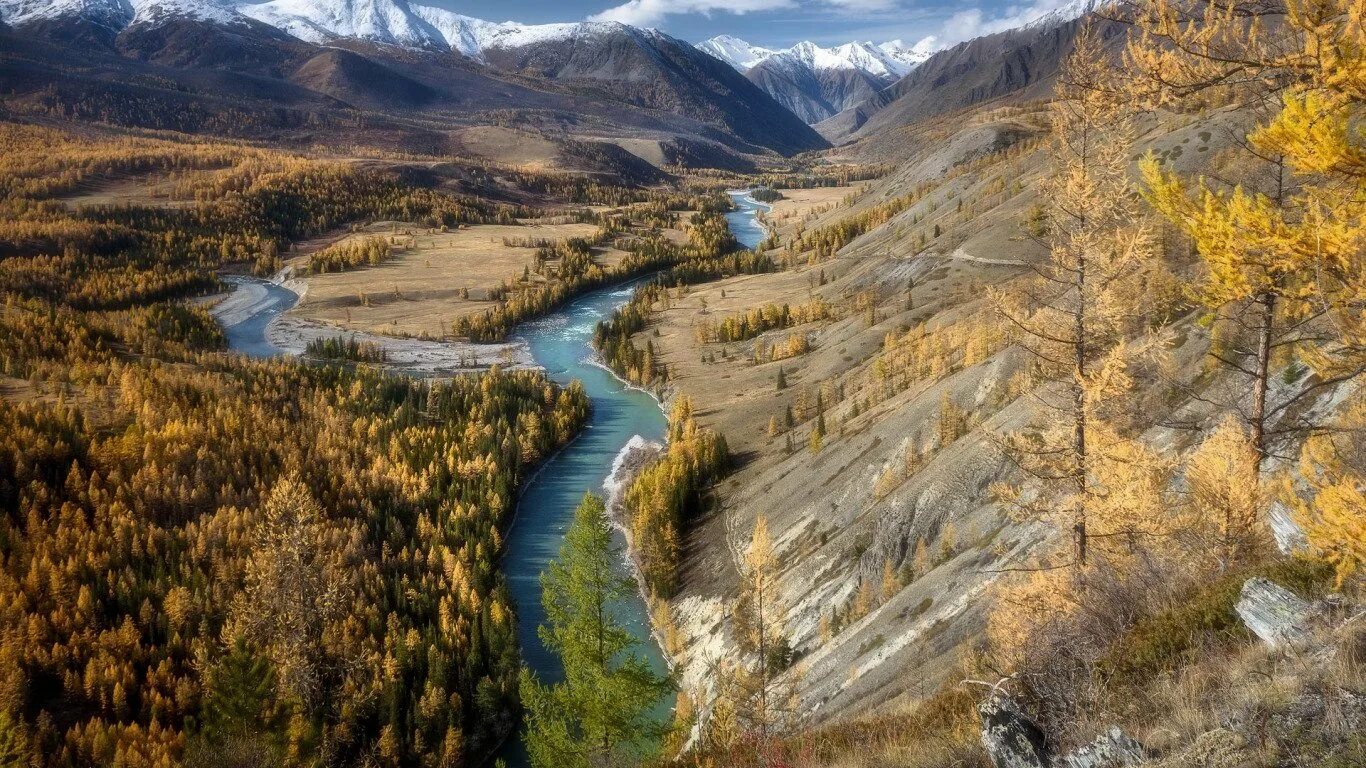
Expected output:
(1018, 63)
(288, 66)
(814, 82)
(390, 55)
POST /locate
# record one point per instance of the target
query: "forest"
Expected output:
(207, 558)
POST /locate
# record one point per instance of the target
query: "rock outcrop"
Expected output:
(1013, 740)
(1112, 749)
(1274, 613)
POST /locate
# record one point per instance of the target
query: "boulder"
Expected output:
(1274, 614)
(1112, 749)
(1010, 737)
(1013, 740)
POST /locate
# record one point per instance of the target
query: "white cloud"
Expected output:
(972, 22)
(647, 13)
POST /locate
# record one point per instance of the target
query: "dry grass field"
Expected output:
(432, 278)
(508, 146)
(800, 205)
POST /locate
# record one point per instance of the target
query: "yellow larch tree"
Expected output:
(1328, 494)
(1283, 234)
(1075, 313)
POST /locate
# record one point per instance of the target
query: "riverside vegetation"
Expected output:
(210, 560)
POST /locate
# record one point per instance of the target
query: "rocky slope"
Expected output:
(1012, 66)
(901, 483)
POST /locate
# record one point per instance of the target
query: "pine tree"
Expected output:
(782, 379)
(14, 745)
(241, 723)
(601, 714)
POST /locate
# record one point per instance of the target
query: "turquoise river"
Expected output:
(560, 343)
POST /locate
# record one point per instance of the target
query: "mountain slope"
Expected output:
(627, 77)
(814, 82)
(1020, 64)
(652, 69)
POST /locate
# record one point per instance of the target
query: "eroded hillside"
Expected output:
(870, 438)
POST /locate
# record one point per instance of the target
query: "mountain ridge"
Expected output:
(417, 49)
(814, 82)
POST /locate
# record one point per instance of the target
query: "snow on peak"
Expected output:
(1064, 12)
(887, 60)
(911, 54)
(734, 51)
(114, 14)
(472, 37)
(320, 21)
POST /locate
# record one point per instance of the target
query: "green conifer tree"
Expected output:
(601, 714)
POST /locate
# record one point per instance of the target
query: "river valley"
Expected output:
(561, 344)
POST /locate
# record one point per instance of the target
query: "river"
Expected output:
(560, 343)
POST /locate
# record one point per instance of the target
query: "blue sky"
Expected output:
(777, 23)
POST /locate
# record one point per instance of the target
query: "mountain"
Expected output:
(735, 52)
(406, 58)
(1018, 64)
(815, 82)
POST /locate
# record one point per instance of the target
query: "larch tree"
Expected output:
(1226, 505)
(1282, 233)
(294, 589)
(1074, 313)
(761, 705)
(1327, 495)
(601, 714)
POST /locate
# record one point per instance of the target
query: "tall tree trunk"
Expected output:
(1079, 414)
(1265, 333)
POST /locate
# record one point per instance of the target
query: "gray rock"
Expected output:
(1013, 740)
(1112, 749)
(1274, 613)
(1010, 737)
(1289, 537)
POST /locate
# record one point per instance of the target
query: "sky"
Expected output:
(778, 23)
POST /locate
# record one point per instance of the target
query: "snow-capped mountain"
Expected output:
(816, 82)
(890, 59)
(735, 52)
(113, 14)
(321, 21)
(308, 44)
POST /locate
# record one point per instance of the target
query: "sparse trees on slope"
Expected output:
(1073, 316)
(1283, 239)
(601, 714)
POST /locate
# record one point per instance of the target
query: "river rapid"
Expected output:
(561, 343)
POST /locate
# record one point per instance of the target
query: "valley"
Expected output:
(385, 386)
